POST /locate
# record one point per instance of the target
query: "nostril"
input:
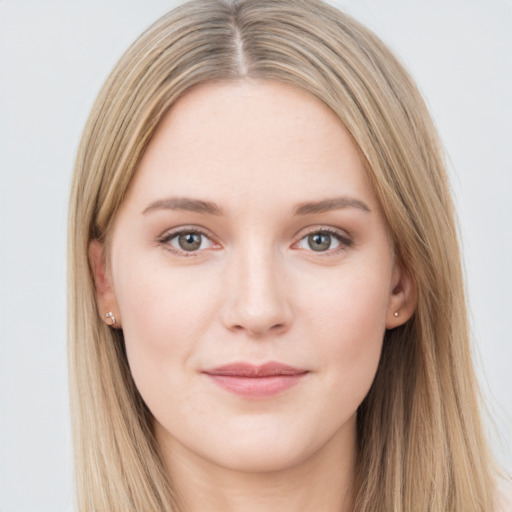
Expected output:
(259, 330)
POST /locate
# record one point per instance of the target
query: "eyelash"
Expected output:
(345, 241)
(167, 237)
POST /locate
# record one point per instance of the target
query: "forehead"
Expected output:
(251, 137)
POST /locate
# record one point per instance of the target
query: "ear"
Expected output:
(402, 298)
(105, 296)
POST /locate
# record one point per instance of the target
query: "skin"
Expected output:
(254, 291)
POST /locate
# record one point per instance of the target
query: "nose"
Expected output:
(257, 300)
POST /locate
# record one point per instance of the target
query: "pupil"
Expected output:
(319, 242)
(190, 241)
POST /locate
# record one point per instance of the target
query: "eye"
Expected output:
(323, 241)
(189, 241)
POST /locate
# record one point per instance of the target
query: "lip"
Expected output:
(250, 380)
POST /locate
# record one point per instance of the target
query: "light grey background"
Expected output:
(54, 55)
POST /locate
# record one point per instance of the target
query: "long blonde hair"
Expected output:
(420, 441)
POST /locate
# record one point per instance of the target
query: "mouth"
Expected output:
(250, 380)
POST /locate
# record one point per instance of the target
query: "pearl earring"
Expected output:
(396, 313)
(110, 318)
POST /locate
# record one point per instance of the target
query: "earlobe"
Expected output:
(105, 296)
(402, 299)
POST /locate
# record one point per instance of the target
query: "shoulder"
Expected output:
(504, 495)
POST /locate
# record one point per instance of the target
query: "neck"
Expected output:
(323, 481)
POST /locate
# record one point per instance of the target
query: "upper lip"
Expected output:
(248, 370)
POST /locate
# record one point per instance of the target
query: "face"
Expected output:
(251, 271)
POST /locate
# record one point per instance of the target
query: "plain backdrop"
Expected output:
(54, 56)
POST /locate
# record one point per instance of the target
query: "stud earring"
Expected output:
(110, 318)
(396, 313)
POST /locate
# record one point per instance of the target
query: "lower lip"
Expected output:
(257, 386)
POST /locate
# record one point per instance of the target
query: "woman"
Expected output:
(266, 293)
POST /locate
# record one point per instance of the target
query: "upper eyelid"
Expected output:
(171, 233)
(342, 233)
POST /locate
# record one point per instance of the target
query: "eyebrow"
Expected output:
(210, 208)
(335, 203)
(186, 204)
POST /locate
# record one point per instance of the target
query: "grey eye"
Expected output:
(319, 241)
(190, 241)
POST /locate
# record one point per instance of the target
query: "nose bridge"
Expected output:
(257, 301)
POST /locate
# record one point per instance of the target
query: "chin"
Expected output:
(263, 457)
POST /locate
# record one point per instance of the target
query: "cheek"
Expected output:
(164, 316)
(348, 326)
